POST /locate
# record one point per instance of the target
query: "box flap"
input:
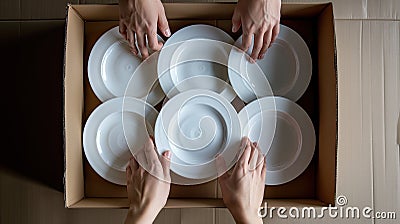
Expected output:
(73, 105)
(328, 104)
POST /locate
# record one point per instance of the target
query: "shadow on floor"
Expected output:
(32, 72)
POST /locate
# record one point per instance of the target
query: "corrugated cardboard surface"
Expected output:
(369, 105)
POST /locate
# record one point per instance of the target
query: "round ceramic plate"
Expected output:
(178, 63)
(293, 144)
(144, 82)
(196, 138)
(111, 65)
(287, 66)
(104, 142)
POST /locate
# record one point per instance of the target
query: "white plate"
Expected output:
(144, 82)
(104, 141)
(196, 125)
(287, 66)
(111, 65)
(178, 62)
(293, 143)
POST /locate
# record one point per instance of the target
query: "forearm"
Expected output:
(143, 216)
(248, 220)
(242, 216)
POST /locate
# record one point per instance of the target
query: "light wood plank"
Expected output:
(169, 216)
(25, 201)
(44, 9)
(9, 9)
(197, 215)
(98, 216)
(223, 216)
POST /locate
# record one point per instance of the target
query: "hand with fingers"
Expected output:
(139, 20)
(243, 188)
(147, 190)
(260, 18)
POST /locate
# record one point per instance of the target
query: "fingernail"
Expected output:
(243, 143)
(168, 154)
(233, 28)
(167, 32)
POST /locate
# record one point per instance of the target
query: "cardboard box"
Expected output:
(316, 186)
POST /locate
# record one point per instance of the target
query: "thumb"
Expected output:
(163, 24)
(236, 21)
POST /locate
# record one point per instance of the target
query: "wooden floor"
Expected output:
(31, 168)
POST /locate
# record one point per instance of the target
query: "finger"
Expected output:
(152, 38)
(253, 157)
(142, 172)
(246, 41)
(132, 41)
(253, 150)
(258, 43)
(260, 154)
(275, 32)
(128, 174)
(122, 29)
(151, 155)
(151, 137)
(133, 163)
(165, 161)
(263, 50)
(266, 44)
(236, 21)
(260, 160)
(243, 163)
(264, 168)
(141, 41)
(242, 147)
(221, 167)
(163, 24)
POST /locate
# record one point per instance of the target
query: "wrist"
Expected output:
(243, 216)
(248, 220)
(140, 215)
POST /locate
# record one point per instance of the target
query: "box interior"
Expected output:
(315, 186)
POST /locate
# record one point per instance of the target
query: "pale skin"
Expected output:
(147, 193)
(242, 187)
(258, 19)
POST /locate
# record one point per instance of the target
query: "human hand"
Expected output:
(243, 188)
(139, 19)
(147, 192)
(258, 17)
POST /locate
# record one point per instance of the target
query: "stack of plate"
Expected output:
(129, 90)
(277, 123)
(205, 81)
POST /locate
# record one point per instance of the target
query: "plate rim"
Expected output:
(305, 157)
